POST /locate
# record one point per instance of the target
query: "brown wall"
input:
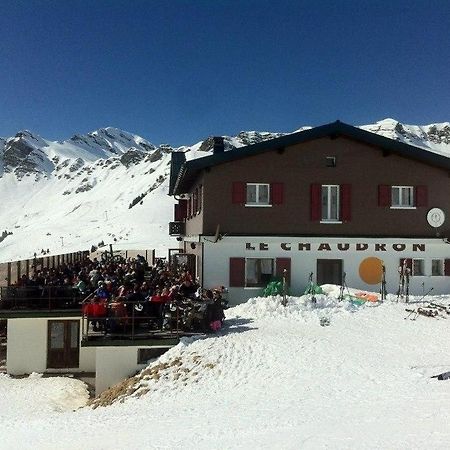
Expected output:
(358, 164)
(194, 225)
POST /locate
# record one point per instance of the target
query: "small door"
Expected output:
(63, 346)
(329, 271)
(185, 261)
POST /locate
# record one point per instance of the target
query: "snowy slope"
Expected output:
(69, 195)
(273, 379)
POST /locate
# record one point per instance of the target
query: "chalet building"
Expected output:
(325, 201)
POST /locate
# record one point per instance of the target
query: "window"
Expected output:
(258, 194)
(144, 355)
(418, 267)
(258, 271)
(437, 267)
(402, 196)
(331, 161)
(330, 203)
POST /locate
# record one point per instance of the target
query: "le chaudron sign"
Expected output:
(339, 247)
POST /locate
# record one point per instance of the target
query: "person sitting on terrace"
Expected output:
(118, 319)
(101, 291)
(187, 289)
(81, 285)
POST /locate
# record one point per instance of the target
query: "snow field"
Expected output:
(273, 379)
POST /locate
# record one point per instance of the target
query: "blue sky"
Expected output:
(177, 71)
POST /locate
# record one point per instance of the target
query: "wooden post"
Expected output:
(153, 257)
(8, 276)
(18, 270)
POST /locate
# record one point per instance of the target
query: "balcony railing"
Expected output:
(134, 321)
(177, 228)
(47, 298)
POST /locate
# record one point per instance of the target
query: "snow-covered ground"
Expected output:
(274, 378)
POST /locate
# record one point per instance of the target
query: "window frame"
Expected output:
(258, 204)
(260, 284)
(441, 267)
(401, 204)
(338, 204)
(413, 267)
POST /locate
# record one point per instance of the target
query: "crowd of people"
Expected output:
(119, 294)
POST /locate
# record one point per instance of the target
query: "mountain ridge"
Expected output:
(111, 186)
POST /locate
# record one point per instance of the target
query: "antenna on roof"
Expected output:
(217, 235)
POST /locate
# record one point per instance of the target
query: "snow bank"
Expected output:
(297, 308)
(34, 396)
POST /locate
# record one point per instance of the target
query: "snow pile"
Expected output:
(35, 396)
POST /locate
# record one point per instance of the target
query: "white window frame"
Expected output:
(246, 277)
(414, 266)
(258, 203)
(401, 204)
(338, 206)
(441, 267)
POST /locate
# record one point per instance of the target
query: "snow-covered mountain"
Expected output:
(111, 186)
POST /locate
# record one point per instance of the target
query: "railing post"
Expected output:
(8, 275)
(132, 321)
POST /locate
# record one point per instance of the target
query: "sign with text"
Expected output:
(339, 247)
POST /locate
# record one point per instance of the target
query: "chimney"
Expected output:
(218, 145)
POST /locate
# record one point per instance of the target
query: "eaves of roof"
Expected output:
(190, 170)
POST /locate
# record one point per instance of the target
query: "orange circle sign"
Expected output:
(370, 270)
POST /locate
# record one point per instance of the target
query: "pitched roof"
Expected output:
(189, 171)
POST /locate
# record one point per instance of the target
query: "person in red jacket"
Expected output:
(157, 302)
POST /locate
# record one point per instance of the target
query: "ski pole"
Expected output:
(424, 295)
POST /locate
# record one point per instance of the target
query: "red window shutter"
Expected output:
(447, 267)
(176, 212)
(237, 272)
(200, 198)
(346, 206)
(384, 195)
(238, 192)
(194, 202)
(421, 196)
(183, 209)
(316, 202)
(276, 193)
(281, 264)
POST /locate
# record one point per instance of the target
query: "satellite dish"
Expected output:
(435, 217)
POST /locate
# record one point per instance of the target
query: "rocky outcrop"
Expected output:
(131, 157)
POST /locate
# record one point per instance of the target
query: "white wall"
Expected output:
(27, 347)
(216, 261)
(114, 364)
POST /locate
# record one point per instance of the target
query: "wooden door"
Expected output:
(329, 271)
(63, 346)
